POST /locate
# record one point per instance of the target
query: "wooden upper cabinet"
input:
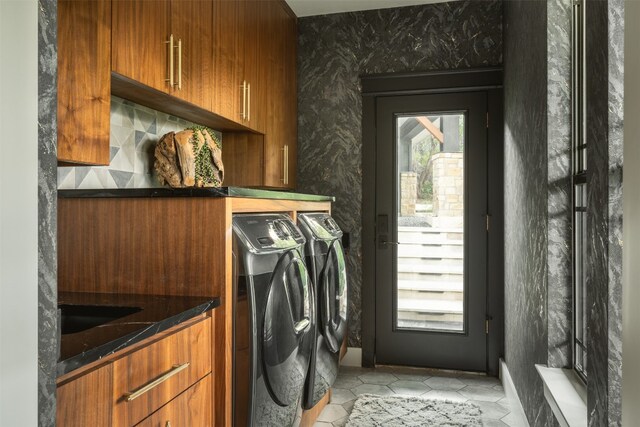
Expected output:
(165, 45)
(193, 64)
(240, 82)
(256, 22)
(84, 82)
(228, 60)
(281, 128)
(140, 49)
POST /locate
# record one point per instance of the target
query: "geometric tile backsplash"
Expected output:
(134, 132)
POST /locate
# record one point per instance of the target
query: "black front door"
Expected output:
(431, 232)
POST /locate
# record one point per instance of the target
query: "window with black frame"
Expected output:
(579, 183)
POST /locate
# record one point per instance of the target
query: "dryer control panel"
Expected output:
(265, 233)
(323, 227)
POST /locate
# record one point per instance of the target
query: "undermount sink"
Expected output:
(78, 318)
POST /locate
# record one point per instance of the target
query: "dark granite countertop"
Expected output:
(156, 314)
(253, 193)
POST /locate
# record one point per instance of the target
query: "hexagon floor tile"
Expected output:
(332, 413)
(444, 383)
(409, 388)
(485, 392)
(340, 396)
(380, 390)
(380, 378)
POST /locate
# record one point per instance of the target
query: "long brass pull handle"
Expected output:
(286, 165)
(170, 43)
(142, 390)
(179, 64)
(243, 115)
(248, 102)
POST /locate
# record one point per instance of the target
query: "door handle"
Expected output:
(386, 242)
(302, 325)
(179, 84)
(171, 73)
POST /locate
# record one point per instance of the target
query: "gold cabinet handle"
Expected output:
(285, 164)
(168, 424)
(170, 43)
(145, 388)
(179, 64)
(248, 102)
(243, 114)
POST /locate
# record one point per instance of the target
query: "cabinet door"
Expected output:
(86, 401)
(179, 361)
(140, 30)
(281, 134)
(290, 99)
(191, 26)
(84, 81)
(228, 59)
(191, 408)
(256, 35)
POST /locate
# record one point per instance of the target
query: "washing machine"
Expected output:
(326, 262)
(274, 320)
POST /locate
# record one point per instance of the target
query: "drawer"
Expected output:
(192, 408)
(147, 379)
(86, 401)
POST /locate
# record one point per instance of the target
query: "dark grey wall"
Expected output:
(525, 178)
(334, 50)
(537, 166)
(605, 92)
(47, 211)
(559, 213)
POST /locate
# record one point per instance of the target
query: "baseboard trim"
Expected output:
(512, 394)
(353, 357)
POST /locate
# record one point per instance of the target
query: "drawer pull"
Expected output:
(142, 390)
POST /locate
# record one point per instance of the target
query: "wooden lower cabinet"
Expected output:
(165, 383)
(86, 401)
(192, 408)
(182, 358)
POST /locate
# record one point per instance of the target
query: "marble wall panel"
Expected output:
(333, 52)
(47, 212)
(605, 92)
(559, 212)
(526, 193)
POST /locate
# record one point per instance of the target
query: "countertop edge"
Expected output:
(75, 362)
(166, 192)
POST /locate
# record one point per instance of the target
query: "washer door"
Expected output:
(287, 336)
(333, 297)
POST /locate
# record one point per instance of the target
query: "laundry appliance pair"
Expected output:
(290, 314)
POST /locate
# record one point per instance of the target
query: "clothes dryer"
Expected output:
(274, 320)
(326, 262)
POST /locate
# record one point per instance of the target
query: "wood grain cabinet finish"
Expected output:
(165, 45)
(269, 42)
(86, 401)
(140, 32)
(239, 83)
(280, 151)
(187, 353)
(84, 81)
(192, 408)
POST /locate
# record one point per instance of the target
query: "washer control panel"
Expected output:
(267, 232)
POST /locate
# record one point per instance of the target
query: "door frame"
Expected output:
(488, 80)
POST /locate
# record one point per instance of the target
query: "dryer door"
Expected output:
(333, 297)
(287, 336)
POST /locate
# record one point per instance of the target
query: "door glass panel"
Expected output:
(430, 212)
